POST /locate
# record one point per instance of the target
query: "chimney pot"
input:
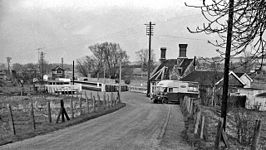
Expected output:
(163, 53)
(183, 50)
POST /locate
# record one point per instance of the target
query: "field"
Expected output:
(31, 112)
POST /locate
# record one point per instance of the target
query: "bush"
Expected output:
(127, 81)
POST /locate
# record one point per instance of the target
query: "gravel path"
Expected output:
(139, 125)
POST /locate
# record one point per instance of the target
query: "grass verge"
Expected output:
(50, 127)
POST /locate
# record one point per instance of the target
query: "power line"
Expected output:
(182, 37)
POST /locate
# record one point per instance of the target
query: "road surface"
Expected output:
(139, 125)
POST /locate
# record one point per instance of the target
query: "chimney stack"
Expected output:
(163, 53)
(182, 50)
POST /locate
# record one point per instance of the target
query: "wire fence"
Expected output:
(19, 114)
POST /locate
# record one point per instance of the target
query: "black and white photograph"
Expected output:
(132, 74)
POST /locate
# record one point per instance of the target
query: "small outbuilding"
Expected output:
(58, 72)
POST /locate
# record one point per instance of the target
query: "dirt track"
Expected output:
(139, 125)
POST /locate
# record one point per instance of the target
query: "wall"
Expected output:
(246, 81)
(252, 100)
(261, 101)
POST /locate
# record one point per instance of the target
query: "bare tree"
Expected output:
(86, 65)
(143, 56)
(249, 24)
(246, 63)
(25, 72)
(106, 57)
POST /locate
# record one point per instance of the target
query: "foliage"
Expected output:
(249, 24)
(143, 56)
(244, 121)
(127, 81)
(106, 57)
(25, 72)
(86, 65)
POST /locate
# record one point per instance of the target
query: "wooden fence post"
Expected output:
(188, 104)
(119, 97)
(112, 99)
(191, 106)
(80, 105)
(11, 120)
(202, 126)
(198, 116)
(99, 100)
(104, 100)
(62, 112)
(71, 108)
(256, 136)
(87, 103)
(185, 104)
(93, 104)
(49, 112)
(32, 115)
(108, 101)
(219, 133)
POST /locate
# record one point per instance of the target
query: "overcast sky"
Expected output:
(65, 28)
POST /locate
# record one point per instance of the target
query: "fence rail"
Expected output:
(31, 114)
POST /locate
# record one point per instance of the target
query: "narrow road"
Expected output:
(139, 125)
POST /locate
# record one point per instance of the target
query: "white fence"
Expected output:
(138, 89)
(62, 88)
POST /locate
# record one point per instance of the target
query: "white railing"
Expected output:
(138, 89)
(60, 88)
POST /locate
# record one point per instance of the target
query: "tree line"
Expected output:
(105, 60)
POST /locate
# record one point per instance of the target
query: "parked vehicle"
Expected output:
(173, 90)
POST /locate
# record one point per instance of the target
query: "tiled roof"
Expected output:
(169, 64)
(204, 77)
(56, 68)
(209, 78)
(185, 64)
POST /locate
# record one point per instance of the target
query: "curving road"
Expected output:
(139, 125)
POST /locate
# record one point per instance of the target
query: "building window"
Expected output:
(170, 90)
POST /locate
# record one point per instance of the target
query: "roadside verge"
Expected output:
(50, 127)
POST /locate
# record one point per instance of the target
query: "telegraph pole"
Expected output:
(73, 72)
(42, 64)
(8, 59)
(227, 62)
(120, 74)
(149, 32)
(39, 63)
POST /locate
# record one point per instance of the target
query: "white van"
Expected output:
(172, 90)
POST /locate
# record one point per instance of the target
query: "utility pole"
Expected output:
(42, 65)
(149, 32)
(227, 62)
(8, 59)
(62, 62)
(39, 63)
(104, 69)
(120, 74)
(73, 73)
